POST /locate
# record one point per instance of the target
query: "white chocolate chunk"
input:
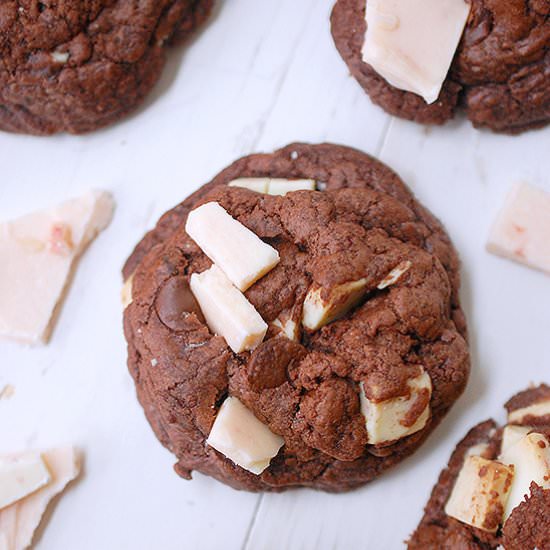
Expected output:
(412, 44)
(481, 449)
(480, 493)
(242, 438)
(289, 327)
(279, 186)
(394, 275)
(512, 435)
(521, 229)
(126, 292)
(531, 460)
(38, 253)
(227, 311)
(274, 186)
(542, 408)
(386, 420)
(322, 307)
(19, 521)
(236, 250)
(21, 476)
(260, 185)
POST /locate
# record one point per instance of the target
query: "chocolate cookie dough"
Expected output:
(522, 522)
(400, 350)
(499, 76)
(77, 66)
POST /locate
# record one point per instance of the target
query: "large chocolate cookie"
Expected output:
(500, 75)
(362, 224)
(76, 66)
(528, 525)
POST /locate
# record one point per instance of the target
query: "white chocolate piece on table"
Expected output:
(236, 250)
(512, 435)
(412, 44)
(242, 438)
(522, 227)
(385, 419)
(480, 493)
(227, 311)
(274, 186)
(19, 521)
(20, 476)
(38, 253)
(542, 408)
(394, 275)
(322, 307)
(531, 460)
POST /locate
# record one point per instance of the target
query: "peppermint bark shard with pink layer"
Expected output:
(38, 253)
(522, 229)
(412, 44)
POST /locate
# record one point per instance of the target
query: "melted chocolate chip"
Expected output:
(175, 302)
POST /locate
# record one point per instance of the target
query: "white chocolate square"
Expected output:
(542, 408)
(242, 438)
(522, 228)
(19, 520)
(530, 458)
(411, 44)
(21, 476)
(38, 253)
(274, 186)
(384, 419)
(236, 250)
(480, 493)
(227, 311)
(512, 435)
(260, 185)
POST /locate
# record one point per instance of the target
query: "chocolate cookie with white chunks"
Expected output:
(78, 66)
(427, 60)
(296, 322)
(495, 491)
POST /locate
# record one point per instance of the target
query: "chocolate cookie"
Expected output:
(514, 514)
(394, 358)
(499, 76)
(77, 66)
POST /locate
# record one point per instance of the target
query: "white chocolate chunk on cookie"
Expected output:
(521, 229)
(38, 253)
(530, 458)
(126, 292)
(280, 186)
(236, 250)
(21, 476)
(322, 306)
(390, 420)
(289, 327)
(242, 438)
(274, 186)
(227, 311)
(412, 44)
(394, 275)
(542, 408)
(512, 435)
(480, 493)
(19, 521)
(260, 185)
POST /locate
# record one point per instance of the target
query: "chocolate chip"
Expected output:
(175, 302)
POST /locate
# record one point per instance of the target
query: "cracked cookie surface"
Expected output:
(361, 225)
(500, 75)
(77, 66)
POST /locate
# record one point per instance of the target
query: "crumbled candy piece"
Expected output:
(521, 229)
(38, 253)
(19, 520)
(236, 250)
(480, 493)
(412, 44)
(242, 438)
(227, 311)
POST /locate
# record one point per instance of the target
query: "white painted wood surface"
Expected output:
(260, 75)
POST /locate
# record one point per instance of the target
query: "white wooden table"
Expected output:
(261, 74)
